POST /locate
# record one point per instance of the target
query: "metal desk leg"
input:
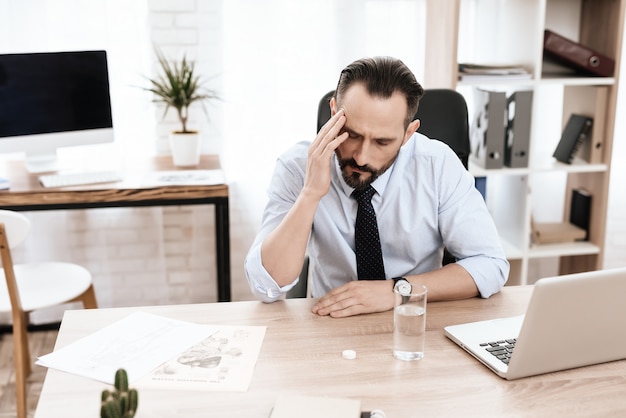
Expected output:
(222, 241)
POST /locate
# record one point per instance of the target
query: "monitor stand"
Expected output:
(41, 163)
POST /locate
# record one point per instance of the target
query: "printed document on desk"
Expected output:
(224, 361)
(138, 343)
(183, 178)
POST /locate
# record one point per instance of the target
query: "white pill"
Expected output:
(349, 354)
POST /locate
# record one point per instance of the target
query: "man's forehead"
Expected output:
(367, 114)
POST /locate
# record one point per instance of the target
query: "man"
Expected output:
(424, 200)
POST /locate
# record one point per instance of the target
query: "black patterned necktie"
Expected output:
(369, 256)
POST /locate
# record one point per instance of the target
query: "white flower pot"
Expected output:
(185, 148)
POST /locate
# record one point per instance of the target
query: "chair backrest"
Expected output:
(14, 228)
(323, 110)
(300, 290)
(17, 227)
(442, 114)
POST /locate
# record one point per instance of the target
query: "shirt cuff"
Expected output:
(488, 273)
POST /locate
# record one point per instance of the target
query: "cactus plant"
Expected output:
(121, 402)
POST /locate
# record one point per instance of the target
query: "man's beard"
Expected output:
(355, 180)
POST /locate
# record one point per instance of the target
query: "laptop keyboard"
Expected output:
(501, 349)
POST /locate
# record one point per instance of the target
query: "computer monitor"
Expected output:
(51, 100)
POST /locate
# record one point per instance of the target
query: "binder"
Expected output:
(577, 130)
(580, 210)
(519, 111)
(577, 55)
(592, 150)
(488, 128)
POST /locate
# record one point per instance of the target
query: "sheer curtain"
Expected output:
(280, 57)
(276, 68)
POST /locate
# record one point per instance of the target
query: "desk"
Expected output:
(26, 194)
(301, 353)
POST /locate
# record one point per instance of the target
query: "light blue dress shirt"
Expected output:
(426, 200)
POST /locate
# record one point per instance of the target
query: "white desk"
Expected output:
(301, 353)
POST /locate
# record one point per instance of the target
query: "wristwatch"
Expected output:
(403, 287)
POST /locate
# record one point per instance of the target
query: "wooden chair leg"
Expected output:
(25, 353)
(89, 298)
(21, 359)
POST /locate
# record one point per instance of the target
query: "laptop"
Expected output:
(571, 321)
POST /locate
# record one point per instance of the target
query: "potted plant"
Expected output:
(178, 86)
(122, 401)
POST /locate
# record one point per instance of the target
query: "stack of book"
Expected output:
(556, 233)
(577, 229)
(478, 72)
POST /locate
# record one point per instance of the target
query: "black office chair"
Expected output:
(323, 110)
(300, 290)
(443, 116)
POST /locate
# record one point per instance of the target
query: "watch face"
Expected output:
(403, 287)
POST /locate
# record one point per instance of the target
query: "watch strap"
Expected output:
(396, 279)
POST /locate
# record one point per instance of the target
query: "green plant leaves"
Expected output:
(178, 86)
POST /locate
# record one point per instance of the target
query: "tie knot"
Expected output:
(364, 195)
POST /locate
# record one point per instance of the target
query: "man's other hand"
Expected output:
(357, 297)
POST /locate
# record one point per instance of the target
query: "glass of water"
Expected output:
(409, 324)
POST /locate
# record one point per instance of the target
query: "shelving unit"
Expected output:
(511, 32)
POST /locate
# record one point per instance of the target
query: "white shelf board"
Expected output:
(563, 249)
(547, 166)
(546, 79)
(577, 81)
(497, 81)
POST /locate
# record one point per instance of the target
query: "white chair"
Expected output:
(34, 286)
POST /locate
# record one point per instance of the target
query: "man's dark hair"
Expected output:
(382, 76)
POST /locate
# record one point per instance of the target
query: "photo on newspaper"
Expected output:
(224, 361)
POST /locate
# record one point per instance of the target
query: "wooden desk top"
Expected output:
(26, 191)
(301, 353)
